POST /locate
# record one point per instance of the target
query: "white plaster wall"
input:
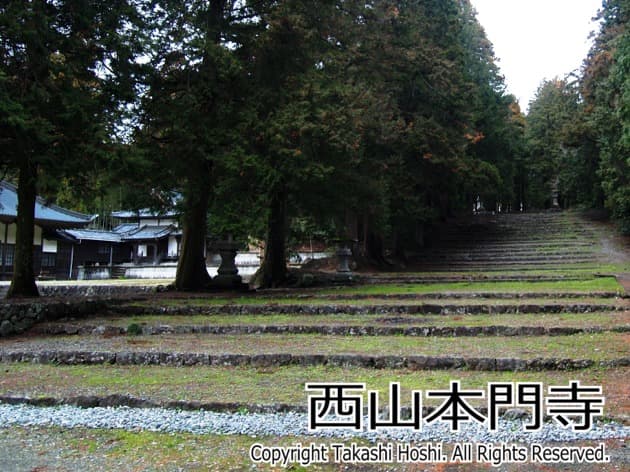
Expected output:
(37, 237)
(50, 246)
(247, 259)
(172, 246)
(156, 272)
(11, 235)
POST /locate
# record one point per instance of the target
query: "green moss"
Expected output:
(600, 346)
(590, 285)
(249, 386)
(605, 320)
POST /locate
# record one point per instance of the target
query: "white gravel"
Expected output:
(280, 424)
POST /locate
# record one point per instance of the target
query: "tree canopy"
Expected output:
(578, 126)
(65, 69)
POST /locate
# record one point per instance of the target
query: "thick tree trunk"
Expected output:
(191, 268)
(375, 250)
(273, 270)
(23, 281)
(399, 243)
(371, 249)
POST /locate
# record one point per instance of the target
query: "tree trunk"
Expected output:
(371, 249)
(273, 270)
(375, 250)
(191, 268)
(23, 281)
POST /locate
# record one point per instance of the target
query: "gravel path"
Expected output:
(280, 424)
(52, 450)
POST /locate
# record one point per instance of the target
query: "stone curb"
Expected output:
(332, 309)
(17, 317)
(446, 277)
(454, 295)
(64, 329)
(277, 360)
(78, 291)
(117, 400)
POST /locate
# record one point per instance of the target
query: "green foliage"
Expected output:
(65, 68)
(615, 143)
(551, 116)
(577, 131)
(134, 329)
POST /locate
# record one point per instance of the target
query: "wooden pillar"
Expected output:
(71, 261)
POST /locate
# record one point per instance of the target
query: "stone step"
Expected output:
(559, 250)
(453, 276)
(505, 246)
(510, 231)
(489, 265)
(516, 258)
(450, 295)
(503, 241)
(372, 308)
(65, 329)
(412, 362)
(503, 267)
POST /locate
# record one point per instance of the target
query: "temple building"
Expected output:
(66, 248)
(46, 246)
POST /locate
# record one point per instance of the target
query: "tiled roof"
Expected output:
(144, 213)
(44, 213)
(148, 232)
(92, 235)
(125, 228)
(119, 234)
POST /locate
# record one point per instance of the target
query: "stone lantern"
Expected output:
(344, 256)
(228, 272)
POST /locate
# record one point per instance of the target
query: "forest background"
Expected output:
(293, 119)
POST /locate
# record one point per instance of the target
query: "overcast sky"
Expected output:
(537, 39)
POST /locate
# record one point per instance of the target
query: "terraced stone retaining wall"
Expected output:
(278, 360)
(17, 317)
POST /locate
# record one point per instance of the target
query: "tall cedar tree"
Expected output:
(193, 109)
(551, 114)
(605, 88)
(64, 68)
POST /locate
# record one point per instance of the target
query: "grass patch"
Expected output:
(597, 347)
(270, 385)
(295, 296)
(374, 299)
(604, 320)
(564, 271)
(151, 451)
(604, 284)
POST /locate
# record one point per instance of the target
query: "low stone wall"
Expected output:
(277, 360)
(16, 318)
(66, 329)
(390, 309)
(79, 291)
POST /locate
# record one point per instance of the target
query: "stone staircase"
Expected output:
(519, 241)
